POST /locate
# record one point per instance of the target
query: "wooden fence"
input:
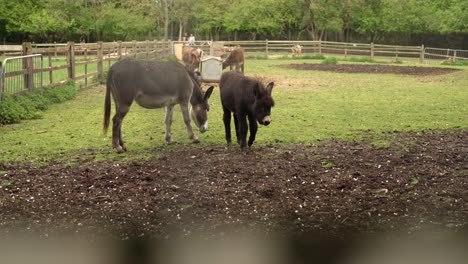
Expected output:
(279, 48)
(89, 62)
(84, 63)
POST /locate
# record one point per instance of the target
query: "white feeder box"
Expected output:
(211, 69)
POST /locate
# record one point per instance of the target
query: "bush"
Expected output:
(10, 111)
(330, 60)
(60, 94)
(303, 57)
(13, 109)
(312, 57)
(256, 57)
(169, 58)
(30, 111)
(456, 62)
(38, 100)
(361, 59)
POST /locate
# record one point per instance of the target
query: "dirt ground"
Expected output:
(331, 189)
(374, 68)
(334, 188)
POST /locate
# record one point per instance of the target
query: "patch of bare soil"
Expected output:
(334, 188)
(374, 68)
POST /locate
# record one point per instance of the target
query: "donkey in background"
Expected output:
(192, 58)
(248, 99)
(235, 58)
(154, 85)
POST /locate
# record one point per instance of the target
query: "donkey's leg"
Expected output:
(169, 111)
(117, 141)
(242, 123)
(236, 125)
(253, 129)
(227, 125)
(186, 115)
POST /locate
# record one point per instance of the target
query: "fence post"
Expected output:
(119, 49)
(134, 47)
(71, 60)
(320, 46)
(266, 48)
(147, 48)
(372, 50)
(421, 57)
(28, 66)
(100, 56)
(170, 47)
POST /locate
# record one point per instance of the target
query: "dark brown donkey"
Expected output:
(154, 85)
(235, 58)
(248, 99)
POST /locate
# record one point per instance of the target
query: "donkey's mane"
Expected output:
(197, 92)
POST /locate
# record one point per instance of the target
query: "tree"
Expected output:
(259, 17)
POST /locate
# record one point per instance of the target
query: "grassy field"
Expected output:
(310, 106)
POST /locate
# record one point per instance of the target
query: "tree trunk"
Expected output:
(166, 19)
(181, 28)
(98, 35)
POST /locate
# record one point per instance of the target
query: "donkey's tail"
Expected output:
(107, 103)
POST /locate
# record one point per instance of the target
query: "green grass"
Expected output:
(310, 105)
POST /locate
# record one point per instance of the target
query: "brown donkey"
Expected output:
(192, 58)
(248, 99)
(235, 58)
(154, 85)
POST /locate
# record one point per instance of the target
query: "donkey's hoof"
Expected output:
(120, 149)
(195, 141)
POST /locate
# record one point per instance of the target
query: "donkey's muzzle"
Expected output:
(266, 120)
(203, 128)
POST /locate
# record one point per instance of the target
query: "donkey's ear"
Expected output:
(269, 87)
(209, 92)
(257, 91)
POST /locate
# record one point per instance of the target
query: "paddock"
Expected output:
(355, 153)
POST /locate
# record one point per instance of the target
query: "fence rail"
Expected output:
(87, 63)
(445, 54)
(84, 63)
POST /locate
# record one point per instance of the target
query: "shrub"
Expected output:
(456, 62)
(361, 59)
(398, 61)
(38, 100)
(313, 57)
(169, 58)
(13, 109)
(10, 111)
(30, 111)
(60, 94)
(256, 57)
(330, 60)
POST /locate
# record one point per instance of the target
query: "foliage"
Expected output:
(361, 59)
(256, 57)
(108, 20)
(330, 60)
(456, 62)
(10, 111)
(13, 109)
